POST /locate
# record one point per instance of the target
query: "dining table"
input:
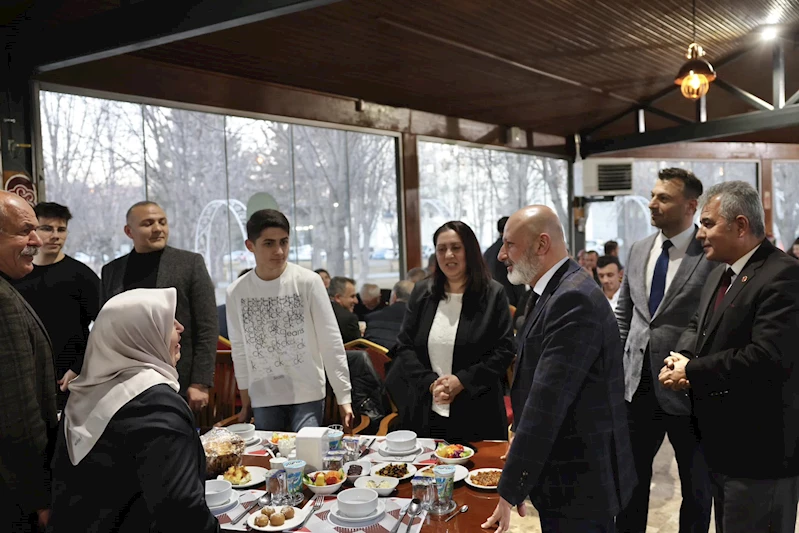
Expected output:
(481, 502)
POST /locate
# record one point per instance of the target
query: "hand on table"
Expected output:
(501, 516)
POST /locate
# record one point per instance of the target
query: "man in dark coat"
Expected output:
(27, 382)
(498, 271)
(382, 327)
(571, 448)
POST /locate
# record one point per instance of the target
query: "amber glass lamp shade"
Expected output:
(695, 75)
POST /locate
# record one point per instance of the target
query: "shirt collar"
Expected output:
(741, 263)
(543, 281)
(679, 242)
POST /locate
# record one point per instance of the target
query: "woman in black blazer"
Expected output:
(455, 344)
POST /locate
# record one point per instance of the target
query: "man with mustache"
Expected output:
(64, 292)
(27, 383)
(571, 450)
(153, 264)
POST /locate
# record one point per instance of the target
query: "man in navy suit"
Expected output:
(571, 448)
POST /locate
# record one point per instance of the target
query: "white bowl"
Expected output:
(391, 482)
(325, 489)
(357, 503)
(456, 461)
(401, 441)
(245, 431)
(366, 467)
(217, 492)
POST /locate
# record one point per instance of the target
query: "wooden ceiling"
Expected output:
(497, 62)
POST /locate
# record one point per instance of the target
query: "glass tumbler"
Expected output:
(445, 484)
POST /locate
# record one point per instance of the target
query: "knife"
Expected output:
(402, 516)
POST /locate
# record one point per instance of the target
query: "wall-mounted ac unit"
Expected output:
(607, 177)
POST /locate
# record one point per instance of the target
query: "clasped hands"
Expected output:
(445, 389)
(672, 375)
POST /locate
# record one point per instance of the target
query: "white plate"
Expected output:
(378, 466)
(253, 441)
(385, 451)
(299, 516)
(377, 513)
(234, 499)
(257, 474)
(461, 472)
(468, 479)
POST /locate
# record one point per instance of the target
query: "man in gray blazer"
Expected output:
(153, 264)
(659, 294)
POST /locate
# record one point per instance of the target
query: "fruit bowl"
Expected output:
(309, 481)
(454, 454)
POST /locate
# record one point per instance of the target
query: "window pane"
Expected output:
(259, 161)
(186, 175)
(93, 164)
(786, 203)
(479, 186)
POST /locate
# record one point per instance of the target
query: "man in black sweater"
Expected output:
(343, 298)
(65, 294)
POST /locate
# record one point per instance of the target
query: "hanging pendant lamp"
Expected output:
(697, 73)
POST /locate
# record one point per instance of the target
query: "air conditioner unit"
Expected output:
(607, 177)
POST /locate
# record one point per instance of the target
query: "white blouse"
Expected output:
(441, 342)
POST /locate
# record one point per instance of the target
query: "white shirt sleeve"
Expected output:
(237, 353)
(328, 339)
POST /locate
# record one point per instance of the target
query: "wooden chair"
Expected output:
(221, 408)
(377, 354)
(222, 343)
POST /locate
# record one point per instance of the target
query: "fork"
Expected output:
(318, 501)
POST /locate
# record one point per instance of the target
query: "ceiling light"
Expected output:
(696, 74)
(769, 33)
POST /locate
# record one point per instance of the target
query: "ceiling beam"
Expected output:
(749, 98)
(656, 97)
(149, 23)
(793, 99)
(778, 75)
(699, 131)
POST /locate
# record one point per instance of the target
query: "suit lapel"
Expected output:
(693, 256)
(551, 287)
(747, 275)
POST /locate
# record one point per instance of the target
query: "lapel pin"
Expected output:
(743, 279)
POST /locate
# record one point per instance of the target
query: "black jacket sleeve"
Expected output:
(205, 327)
(90, 307)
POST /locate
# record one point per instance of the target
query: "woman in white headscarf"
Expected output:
(128, 458)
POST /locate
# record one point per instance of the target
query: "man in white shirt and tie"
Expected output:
(659, 294)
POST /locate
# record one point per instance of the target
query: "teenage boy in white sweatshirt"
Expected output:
(284, 335)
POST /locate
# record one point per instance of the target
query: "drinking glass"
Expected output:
(424, 488)
(445, 483)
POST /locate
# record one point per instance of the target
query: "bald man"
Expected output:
(27, 380)
(570, 452)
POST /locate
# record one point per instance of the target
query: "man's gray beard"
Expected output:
(523, 272)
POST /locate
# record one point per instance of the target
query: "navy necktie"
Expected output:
(659, 279)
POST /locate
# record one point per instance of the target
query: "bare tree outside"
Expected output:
(786, 202)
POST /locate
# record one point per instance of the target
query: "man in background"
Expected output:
(65, 294)
(382, 327)
(612, 248)
(416, 275)
(154, 264)
(343, 298)
(27, 384)
(498, 270)
(608, 269)
(370, 300)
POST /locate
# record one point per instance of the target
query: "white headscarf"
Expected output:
(127, 353)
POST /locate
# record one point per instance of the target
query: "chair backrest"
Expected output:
(512, 311)
(377, 354)
(222, 396)
(222, 343)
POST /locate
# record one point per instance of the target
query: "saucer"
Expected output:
(385, 451)
(227, 506)
(375, 515)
